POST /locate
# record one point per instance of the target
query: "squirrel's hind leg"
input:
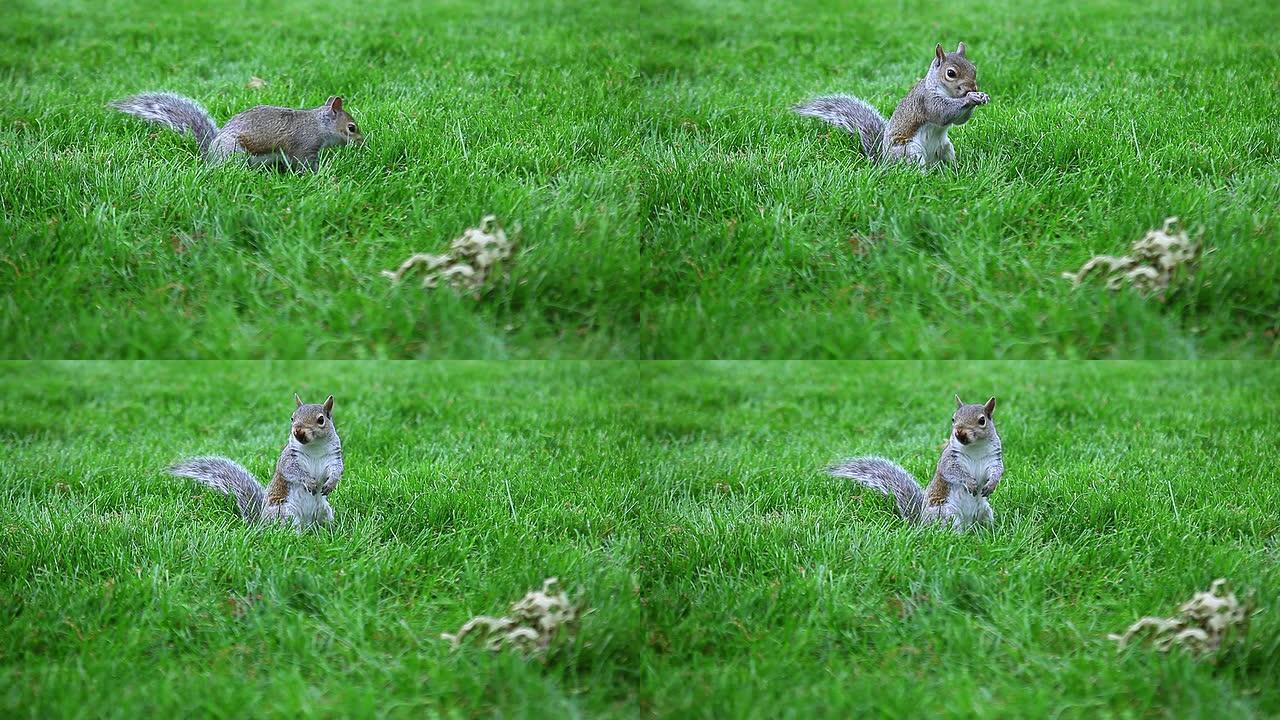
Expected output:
(272, 513)
(931, 514)
(284, 162)
(911, 152)
(917, 155)
(946, 153)
(222, 148)
(275, 160)
(895, 153)
(325, 514)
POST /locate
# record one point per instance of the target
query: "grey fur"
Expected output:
(228, 477)
(280, 137)
(852, 115)
(309, 469)
(335, 471)
(968, 472)
(173, 111)
(916, 132)
(887, 477)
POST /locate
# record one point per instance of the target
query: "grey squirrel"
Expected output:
(969, 470)
(276, 136)
(917, 130)
(309, 469)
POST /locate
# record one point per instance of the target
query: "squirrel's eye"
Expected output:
(951, 74)
(320, 421)
(982, 420)
(351, 127)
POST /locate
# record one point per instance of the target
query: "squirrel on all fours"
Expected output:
(968, 472)
(279, 137)
(307, 472)
(917, 130)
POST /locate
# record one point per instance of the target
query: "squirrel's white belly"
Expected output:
(307, 508)
(964, 508)
(930, 144)
(304, 502)
(316, 466)
(979, 465)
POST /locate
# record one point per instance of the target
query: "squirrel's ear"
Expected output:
(334, 103)
(990, 407)
(959, 402)
(940, 53)
(960, 49)
(328, 406)
(297, 400)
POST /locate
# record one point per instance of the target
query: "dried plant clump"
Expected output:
(470, 261)
(1201, 626)
(1151, 265)
(531, 625)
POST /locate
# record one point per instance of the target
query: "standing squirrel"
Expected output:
(276, 136)
(917, 131)
(969, 470)
(309, 469)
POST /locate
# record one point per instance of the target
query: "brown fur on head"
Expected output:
(343, 123)
(312, 422)
(953, 72)
(973, 423)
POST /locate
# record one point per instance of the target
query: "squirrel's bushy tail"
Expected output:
(227, 477)
(887, 477)
(174, 111)
(851, 114)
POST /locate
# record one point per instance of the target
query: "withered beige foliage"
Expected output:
(1200, 627)
(256, 83)
(530, 626)
(470, 261)
(1151, 265)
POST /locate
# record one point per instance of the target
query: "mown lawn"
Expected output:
(726, 576)
(670, 204)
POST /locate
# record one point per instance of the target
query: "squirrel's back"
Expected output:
(264, 129)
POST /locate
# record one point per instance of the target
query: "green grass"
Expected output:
(727, 576)
(671, 205)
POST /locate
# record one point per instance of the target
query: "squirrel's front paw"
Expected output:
(978, 98)
(972, 487)
(312, 488)
(988, 489)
